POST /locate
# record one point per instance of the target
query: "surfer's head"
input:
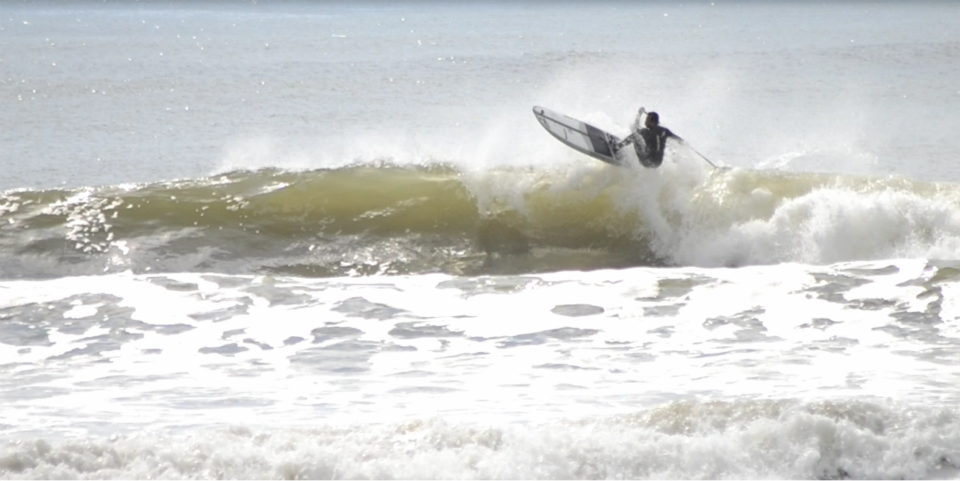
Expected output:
(653, 119)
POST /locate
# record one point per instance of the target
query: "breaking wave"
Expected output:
(389, 219)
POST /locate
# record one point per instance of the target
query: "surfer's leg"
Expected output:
(615, 147)
(641, 154)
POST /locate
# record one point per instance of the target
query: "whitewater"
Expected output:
(300, 240)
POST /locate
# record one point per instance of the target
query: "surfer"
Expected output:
(650, 150)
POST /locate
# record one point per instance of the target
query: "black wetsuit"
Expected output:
(650, 151)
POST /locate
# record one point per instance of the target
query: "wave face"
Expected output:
(388, 219)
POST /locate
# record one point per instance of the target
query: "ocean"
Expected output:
(295, 239)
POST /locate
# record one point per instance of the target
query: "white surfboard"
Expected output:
(580, 136)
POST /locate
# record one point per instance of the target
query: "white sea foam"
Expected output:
(276, 349)
(690, 440)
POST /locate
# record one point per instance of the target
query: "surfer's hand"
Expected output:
(641, 111)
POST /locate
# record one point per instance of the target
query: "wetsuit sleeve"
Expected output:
(672, 135)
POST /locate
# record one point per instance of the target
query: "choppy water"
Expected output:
(329, 240)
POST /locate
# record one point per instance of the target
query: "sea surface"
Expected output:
(295, 239)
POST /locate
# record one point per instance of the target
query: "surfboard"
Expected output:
(580, 136)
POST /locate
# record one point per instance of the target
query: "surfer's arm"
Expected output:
(637, 125)
(671, 135)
